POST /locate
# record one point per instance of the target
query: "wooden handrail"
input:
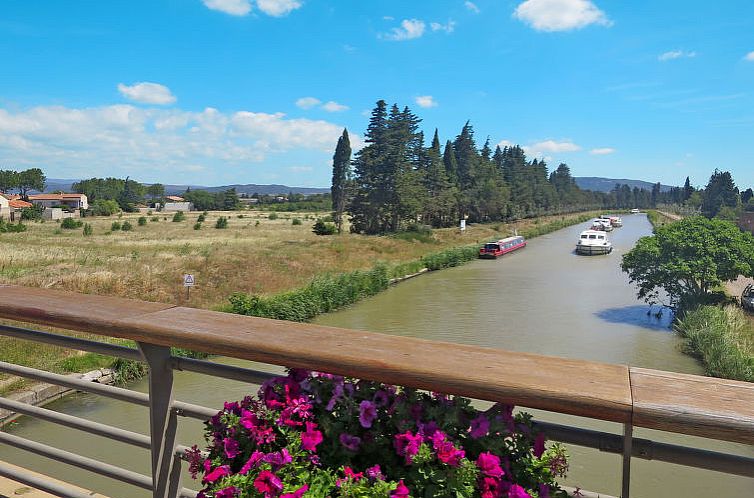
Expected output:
(688, 404)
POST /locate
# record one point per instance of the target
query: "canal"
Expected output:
(543, 299)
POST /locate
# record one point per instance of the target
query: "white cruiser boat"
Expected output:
(593, 242)
(602, 224)
(615, 221)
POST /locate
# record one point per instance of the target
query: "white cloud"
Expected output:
(602, 151)
(472, 7)
(505, 143)
(448, 28)
(333, 106)
(232, 7)
(308, 102)
(676, 54)
(125, 139)
(278, 8)
(560, 15)
(749, 57)
(554, 147)
(147, 93)
(409, 29)
(426, 101)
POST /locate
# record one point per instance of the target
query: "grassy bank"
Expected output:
(329, 292)
(722, 338)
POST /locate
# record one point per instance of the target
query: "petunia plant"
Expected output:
(315, 435)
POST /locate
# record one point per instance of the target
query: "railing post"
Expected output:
(628, 430)
(163, 422)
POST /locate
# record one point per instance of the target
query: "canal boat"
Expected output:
(593, 242)
(634, 211)
(602, 225)
(615, 221)
(495, 249)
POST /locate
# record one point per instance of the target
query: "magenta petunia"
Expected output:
(446, 452)
(350, 442)
(401, 491)
(268, 483)
(252, 462)
(407, 445)
(489, 465)
(296, 494)
(311, 437)
(367, 413)
(350, 474)
(491, 487)
(229, 492)
(278, 458)
(539, 445)
(375, 473)
(480, 426)
(230, 447)
(516, 491)
(217, 474)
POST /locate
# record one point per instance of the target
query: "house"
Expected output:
(16, 207)
(178, 206)
(174, 198)
(746, 221)
(4, 208)
(71, 201)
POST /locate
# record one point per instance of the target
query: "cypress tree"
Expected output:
(341, 166)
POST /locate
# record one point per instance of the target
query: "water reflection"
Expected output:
(640, 316)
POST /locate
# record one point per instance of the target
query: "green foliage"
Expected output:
(104, 207)
(296, 221)
(155, 218)
(226, 200)
(125, 193)
(32, 213)
(179, 216)
(6, 227)
(322, 228)
(272, 216)
(722, 338)
(142, 221)
(720, 192)
(202, 217)
(222, 222)
(126, 226)
(197, 226)
(71, 224)
(324, 294)
(340, 172)
(416, 232)
(88, 231)
(687, 260)
(115, 226)
(127, 371)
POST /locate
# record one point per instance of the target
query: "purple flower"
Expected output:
(367, 413)
(517, 491)
(252, 462)
(446, 452)
(230, 446)
(375, 473)
(350, 442)
(229, 492)
(268, 483)
(407, 445)
(311, 437)
(401, 491)
(381, 398)
(217, 474)
(489, 465)
(544, 491)
(480, 426)
(278, 458)
(539, 445)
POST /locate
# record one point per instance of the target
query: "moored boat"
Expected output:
(593, 242)
(495, 249)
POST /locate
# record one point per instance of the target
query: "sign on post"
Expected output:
(463, 225)
(188, 280)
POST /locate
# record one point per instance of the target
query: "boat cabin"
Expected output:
(492, 250)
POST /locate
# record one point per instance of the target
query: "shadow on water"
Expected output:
(640, 316)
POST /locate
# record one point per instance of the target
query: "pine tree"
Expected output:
(687, 190)
(451, 165)
(341, 167)
(370, 194)
(442, 202)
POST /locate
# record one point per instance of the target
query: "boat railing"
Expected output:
(634, 397)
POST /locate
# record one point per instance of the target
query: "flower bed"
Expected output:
(312, 435)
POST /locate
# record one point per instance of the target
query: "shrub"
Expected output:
(257, 223)
(155, 218)
(322, 228)
(197, 226)
(326, 435)
(272, 216)
(126, 226)
(115, 226)
(88, 230)
(239, 216)
(142, 221)
(71, 224)
(222, 222)
(296, 221)
(32, 213)
(202, 217)
(13, 228)
(178, 217)
(149, 212)
(102, 207)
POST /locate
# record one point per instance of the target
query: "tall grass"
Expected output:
(722, 337)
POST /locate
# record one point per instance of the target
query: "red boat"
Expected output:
(492, 250)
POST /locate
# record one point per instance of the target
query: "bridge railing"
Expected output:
(686, 404)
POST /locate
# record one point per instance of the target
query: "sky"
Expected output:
(212, 92)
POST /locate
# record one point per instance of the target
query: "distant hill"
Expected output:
(57, 184)
(598, 184)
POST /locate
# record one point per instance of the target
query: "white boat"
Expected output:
(615, 220)
(602, 224)
(593, 242)
(634, 211)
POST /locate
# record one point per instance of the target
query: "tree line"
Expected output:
(396, 181)
(22, 181)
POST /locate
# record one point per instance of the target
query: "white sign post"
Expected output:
(188, 283)
(463, 225)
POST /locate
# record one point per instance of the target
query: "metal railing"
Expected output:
(165, 411)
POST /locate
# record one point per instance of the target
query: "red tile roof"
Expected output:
(54, 197)
(19, 204)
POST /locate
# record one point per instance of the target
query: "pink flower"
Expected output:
(350, 474)
(491, 488)
(367, 413)
(248, 419)
(296, 494)
(268, 483)
(230, 446)
(407, 445)
(480, 426)
(252, 462)
(229, 492)
(218, 473)
(278, 458)
(489, 465)
(539, 445)
(375, 473)
(311, 437)
(517, 491)
(446, 452)
(350, 442)
(401, 491)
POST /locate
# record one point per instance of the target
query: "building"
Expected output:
(71, 201)
(4, 208)
(178, 206)
(174, 198)
(746, 221)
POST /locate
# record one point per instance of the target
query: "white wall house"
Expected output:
(4, 208)
(72, 201)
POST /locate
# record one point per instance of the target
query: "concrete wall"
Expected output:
(178, 206)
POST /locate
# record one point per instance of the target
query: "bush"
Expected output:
(32, 213)
(296, 221)
(102, 207)
(222, 222)
(115, 226)
(178, 217)
(71, 224)
(202, 217)
(197, 226)
(142, 221)
(322, 228)
(12, 228)
(88, 230)
(126, 226)
(155, 218)
(272, 216)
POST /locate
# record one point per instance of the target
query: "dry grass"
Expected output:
(254, 255)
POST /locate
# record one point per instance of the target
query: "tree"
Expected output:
(8, 180)
(720, 191)
(341, 167)
(687, 189)
(687, 260)
(30, 179)
(156, 190)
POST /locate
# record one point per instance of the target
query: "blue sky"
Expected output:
(257, 91)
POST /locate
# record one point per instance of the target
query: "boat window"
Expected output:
(592, 236)
(601, 237)
(491, 247)
(584, 237)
